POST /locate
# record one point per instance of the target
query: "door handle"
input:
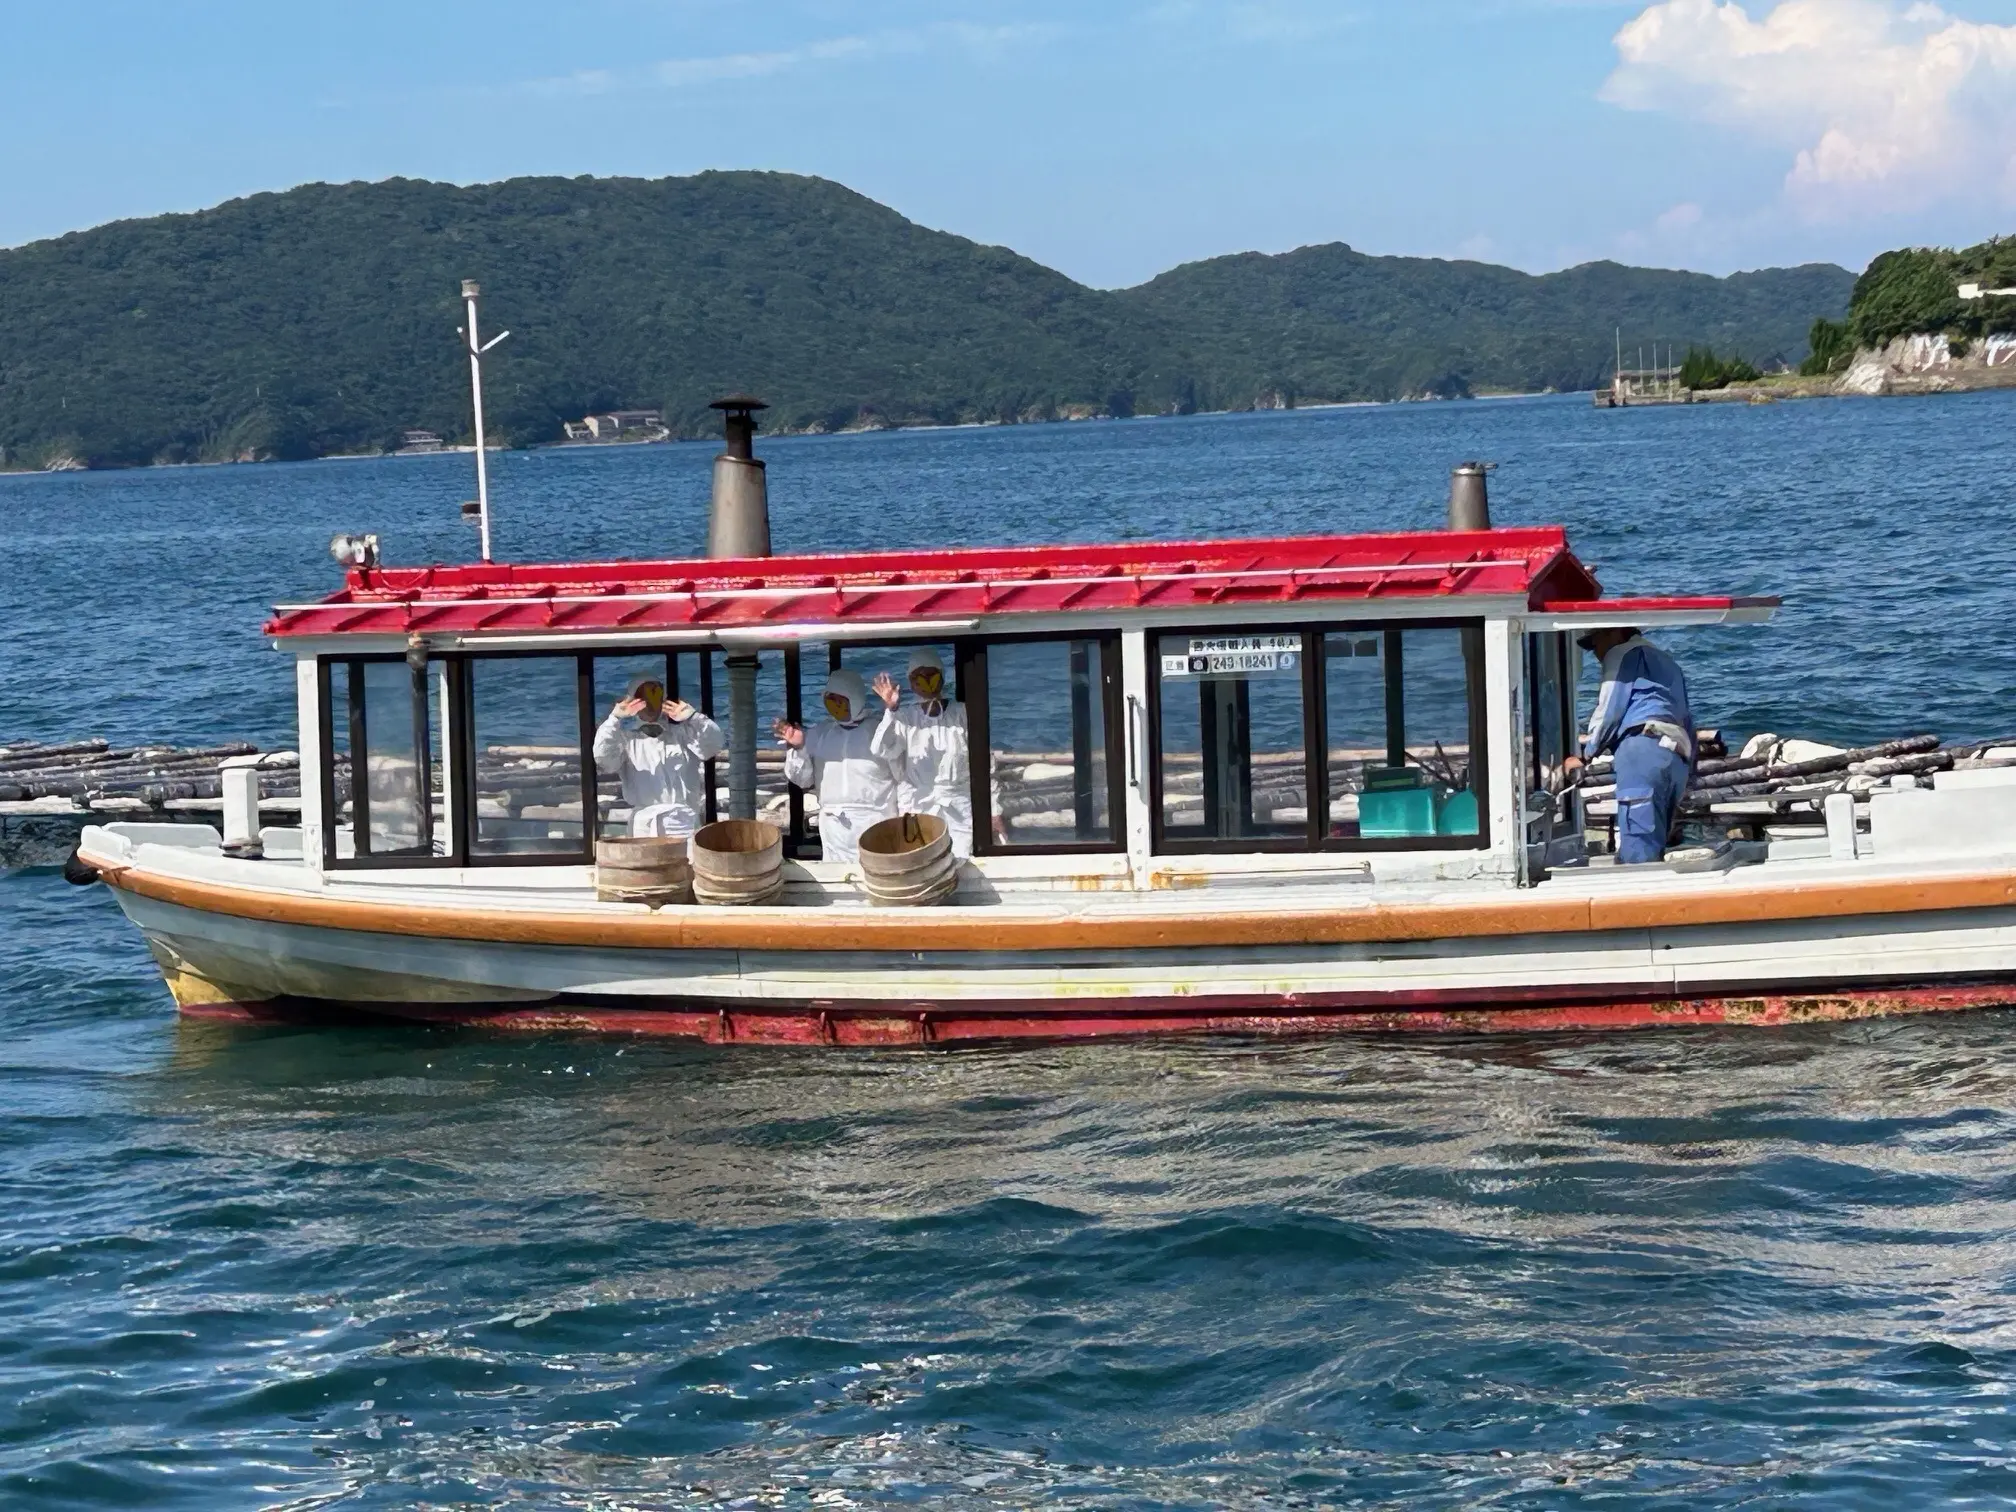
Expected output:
(1137, 740)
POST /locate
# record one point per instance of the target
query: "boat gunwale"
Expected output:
(963, 930)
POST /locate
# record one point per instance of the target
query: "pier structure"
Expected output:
(1631, 387)
(1658, 383)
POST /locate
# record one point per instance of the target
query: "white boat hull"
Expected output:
(224, 963)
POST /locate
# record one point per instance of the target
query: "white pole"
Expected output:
(470, 291)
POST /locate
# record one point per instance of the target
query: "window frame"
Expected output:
(1158, 839)
(972, 684)
(458, 800)
(1567, 679)
(1316, 838)
(1476, 686)
(360, 809)
(462, 728)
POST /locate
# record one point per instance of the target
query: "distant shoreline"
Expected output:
(466, 449)
(1774, 387)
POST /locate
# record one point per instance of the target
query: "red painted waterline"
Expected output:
(854, 1025)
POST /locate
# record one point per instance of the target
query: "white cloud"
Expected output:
(1886, 106)
(687, 73)
(677, 73)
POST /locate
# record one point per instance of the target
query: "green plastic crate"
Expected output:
(1457, 814)
(1395, 813)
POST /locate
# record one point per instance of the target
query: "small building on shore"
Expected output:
(417, 443)
(618, 425)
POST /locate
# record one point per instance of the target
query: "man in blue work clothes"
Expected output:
(1643, 717)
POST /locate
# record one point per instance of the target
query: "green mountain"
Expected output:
(323, 320)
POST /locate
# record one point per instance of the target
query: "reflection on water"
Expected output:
(435, 1269)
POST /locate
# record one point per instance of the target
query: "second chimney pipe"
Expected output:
(1470, 496)
(738, 525)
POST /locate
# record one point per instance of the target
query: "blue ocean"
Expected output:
(362, 1268)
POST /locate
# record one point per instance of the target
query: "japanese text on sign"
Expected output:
(1236, 656)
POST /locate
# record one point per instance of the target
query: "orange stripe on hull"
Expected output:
(972, 929)
(886, 1026)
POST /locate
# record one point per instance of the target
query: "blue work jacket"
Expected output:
(1641, 685)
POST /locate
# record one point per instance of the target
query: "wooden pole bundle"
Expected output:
(1794, 790)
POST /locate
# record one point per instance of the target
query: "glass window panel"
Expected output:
(814, 662)
(1398, 711)
(525, 731)
(1046, 736)
(1437, 683)
(1548, 736)
(438, 748)
(343, 811)
(394, 797)
(614, 677)
(1354, 690)
(871, 662)
(773, 803)
(1232, 736)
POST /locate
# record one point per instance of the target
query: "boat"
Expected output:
(1279, 785)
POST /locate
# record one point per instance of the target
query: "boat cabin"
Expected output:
(1141, 716)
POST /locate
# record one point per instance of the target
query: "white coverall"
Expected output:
(857, 788)
(663, 779)
(931, 751)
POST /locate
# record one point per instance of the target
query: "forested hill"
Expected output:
(1329, 322)
(323, 320)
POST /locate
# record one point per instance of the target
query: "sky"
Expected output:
(1111, 139)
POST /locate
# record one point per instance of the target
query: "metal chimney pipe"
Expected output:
(1470, 496)
(738, 525)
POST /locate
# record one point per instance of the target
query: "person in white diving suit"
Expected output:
(837, 757)
(657, 748)
(927, 741)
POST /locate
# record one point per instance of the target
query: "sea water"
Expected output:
(379, 1269)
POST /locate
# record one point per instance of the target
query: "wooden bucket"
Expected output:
(648, 869)
(738, 861)
(908, 861)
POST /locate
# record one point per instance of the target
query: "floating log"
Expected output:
(1891, 766)
(28, 754)
(1845, 760)
(1719, 764)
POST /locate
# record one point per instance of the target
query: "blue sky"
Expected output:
(1108, 138)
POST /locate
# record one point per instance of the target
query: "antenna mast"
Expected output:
(471, 292)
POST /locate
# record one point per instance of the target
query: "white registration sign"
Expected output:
(1236, 656)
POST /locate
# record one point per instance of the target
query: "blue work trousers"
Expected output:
(1650, 780)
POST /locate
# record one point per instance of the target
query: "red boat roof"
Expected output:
(1530, 564)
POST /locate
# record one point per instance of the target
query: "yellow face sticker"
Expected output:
(928, 681)
(653, 694)
(838, 706)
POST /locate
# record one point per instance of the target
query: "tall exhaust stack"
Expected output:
(739, 522)
(1470, 496)
(738, 525)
